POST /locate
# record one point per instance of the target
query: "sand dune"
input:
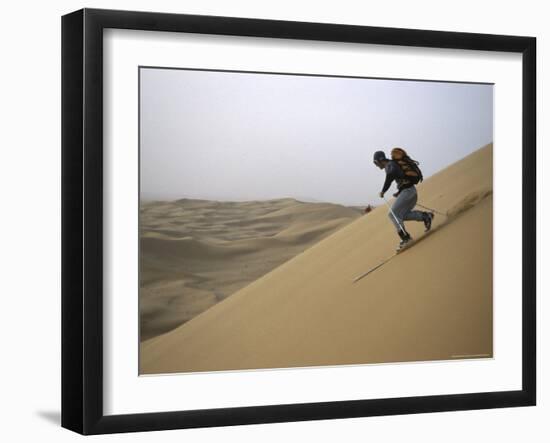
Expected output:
(432, 302)
(195, 253)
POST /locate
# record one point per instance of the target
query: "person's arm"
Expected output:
(387, 183)
(390, 177)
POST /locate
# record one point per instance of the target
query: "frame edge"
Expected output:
(72, 222)
(82, 196)
(529, 161)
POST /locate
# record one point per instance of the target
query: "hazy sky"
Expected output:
(239, 136)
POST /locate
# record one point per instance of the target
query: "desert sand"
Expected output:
(431, 302)
(196, 253)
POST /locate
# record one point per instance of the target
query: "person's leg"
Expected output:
(411, 214)
(421, 216)
(392, 215)
(401, 206)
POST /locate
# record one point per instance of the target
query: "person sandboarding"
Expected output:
(405, 172)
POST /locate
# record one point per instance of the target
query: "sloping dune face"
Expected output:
(432, 302)
(195, 253)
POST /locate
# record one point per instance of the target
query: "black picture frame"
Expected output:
(82, 218)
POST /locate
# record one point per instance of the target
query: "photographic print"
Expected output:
(291, 220)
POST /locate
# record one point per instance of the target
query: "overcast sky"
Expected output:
(240, 136)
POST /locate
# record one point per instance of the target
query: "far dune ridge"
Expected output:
(432, 302)
(196, 253)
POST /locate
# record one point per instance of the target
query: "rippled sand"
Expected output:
(195, 253)
(432, 302)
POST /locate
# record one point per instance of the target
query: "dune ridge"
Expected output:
(433, 302)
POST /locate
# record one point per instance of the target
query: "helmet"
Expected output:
(378, 156)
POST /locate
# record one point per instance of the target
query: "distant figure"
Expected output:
(368, 209)
(406, 173)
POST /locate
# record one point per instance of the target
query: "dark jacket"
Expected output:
(394, 172)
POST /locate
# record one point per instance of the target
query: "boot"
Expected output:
(427, 217)
(405, 238)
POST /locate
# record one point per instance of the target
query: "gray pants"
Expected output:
(403, 208)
